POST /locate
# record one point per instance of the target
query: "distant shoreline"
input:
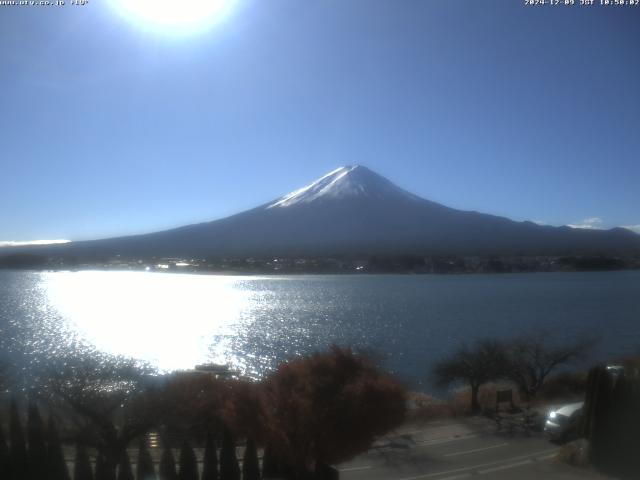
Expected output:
(400, 265)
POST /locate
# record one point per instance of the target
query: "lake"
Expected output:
(175, 321)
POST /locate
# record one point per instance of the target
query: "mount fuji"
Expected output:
(354, 211)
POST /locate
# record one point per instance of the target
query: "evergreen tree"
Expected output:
(56, 464)
(269, 463)
(600, 430)
(624, 452)
(104, 468)
(37, 453)
(18, 449)
(250, 465)
(5, 469)
(188, 463)
(229, 468)
(168, 466)
(613, 411)
(210, 462)
(145, 470)
(124, 467)
(82, 468)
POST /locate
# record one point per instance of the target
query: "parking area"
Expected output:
(456, 449)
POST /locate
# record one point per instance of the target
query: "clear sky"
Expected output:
(110, 126)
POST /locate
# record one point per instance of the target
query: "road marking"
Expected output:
(439, 441)
(355, 469)
(546, 457)
(456, 477)
(475, 450)
(504, 467)
(413, 432)
(475, 467)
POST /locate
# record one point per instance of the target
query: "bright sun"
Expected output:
(175, 15)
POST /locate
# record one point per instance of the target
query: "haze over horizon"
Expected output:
(110, 128)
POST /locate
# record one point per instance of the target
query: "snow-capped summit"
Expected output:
(345, 182)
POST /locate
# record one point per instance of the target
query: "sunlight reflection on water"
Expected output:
(175, 321)
(166, 320)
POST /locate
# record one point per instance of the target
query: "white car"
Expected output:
(562, 422)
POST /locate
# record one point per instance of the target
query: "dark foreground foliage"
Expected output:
(329, 407)
(612, 417)
(250, 465)
(56, 465)
(229, 468)
(145, 469)
(210, 461)
(168, 466)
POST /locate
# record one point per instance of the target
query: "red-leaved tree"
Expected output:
(328, 407)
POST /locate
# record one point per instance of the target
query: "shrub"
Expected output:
(56, 464)
(424, 407)
(486, 398)
(188, 463)
(37, 453)
(82, 468)
(612, 412)
(329, 407)
(124, 468)
(563, 386)
(229, 469)
(210, 461)
(250, 465)
(168, 466)
(270, 466)
(18, 450)
(5, 469)
(145, 469)
(104, 468)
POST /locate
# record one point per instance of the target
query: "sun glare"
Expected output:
(175, 16)
(170, 321)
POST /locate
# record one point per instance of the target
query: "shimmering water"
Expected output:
(178, 320)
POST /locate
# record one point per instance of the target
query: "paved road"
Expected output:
(448, 450)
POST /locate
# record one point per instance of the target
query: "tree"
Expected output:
(103, 396)
(18, 450)
(270, 467)
(189, 405)
(533, 357)
(145, 469)
(188, 463)
(82, 468)
(105, 469)
(124, 467)
(483, 362)
(210, 461)
(168, 466)
(612, 414)
(5, 466)
(56, 464)
(229, 468)
(329, 407)
(37, 453)
(243, 408)
(250, 465)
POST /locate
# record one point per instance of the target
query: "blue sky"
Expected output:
(110, 127)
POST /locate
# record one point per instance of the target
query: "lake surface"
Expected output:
(175, 321)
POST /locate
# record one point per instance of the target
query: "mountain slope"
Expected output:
(353, 210)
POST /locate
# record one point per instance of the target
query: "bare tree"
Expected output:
(100, 396)
(474, 365)
(533, 357)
